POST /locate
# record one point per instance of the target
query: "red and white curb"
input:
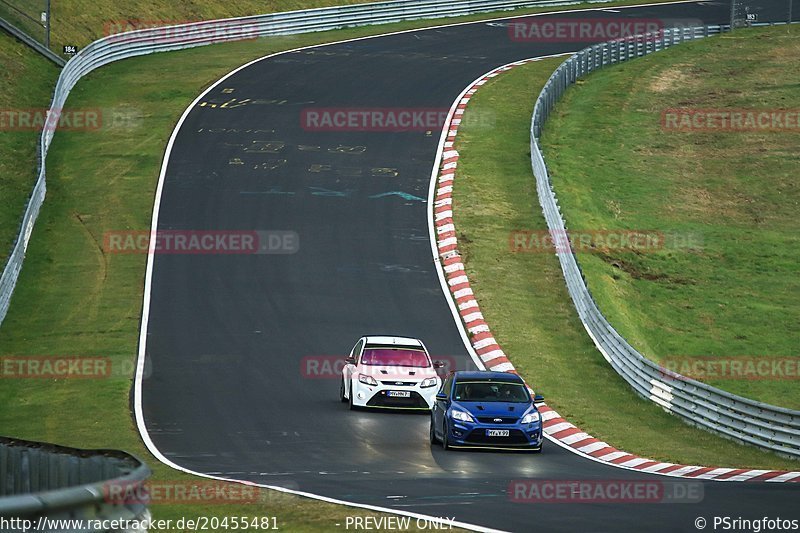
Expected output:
(488, 350)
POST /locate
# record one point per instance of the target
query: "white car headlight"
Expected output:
(429, 382)
(461, 415)
(366, 379)
(531, 417)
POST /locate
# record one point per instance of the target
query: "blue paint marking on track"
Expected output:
(321, 191)
(271, 191)
(401, 194)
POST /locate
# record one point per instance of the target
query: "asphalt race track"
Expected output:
(229, 336)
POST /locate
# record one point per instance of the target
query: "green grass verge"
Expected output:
(735, 292)
(524, 298)
(79, 22)
(21, 67)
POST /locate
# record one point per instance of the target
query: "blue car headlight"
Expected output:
(531, 418)
(430, 382)
(461, 416)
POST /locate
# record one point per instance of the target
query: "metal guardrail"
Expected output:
(48, 482)
(732, 416)
(163, 39)
(33, 43)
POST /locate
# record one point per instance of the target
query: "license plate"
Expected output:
(398, 394)
(497, 433)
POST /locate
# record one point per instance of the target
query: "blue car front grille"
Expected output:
(497, 419)
(515, 437)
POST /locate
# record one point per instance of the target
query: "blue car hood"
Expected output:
(494, 408)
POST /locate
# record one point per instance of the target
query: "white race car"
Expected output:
(390, 373)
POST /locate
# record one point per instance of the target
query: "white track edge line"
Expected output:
(139, 415)
(142, 356)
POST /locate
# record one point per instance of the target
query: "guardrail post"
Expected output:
(47, 25)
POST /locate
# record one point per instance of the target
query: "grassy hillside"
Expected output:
(26, 83)
(82, 21)
(726, 287)
(525, 300)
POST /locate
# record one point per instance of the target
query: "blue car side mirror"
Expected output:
(538, 398)
(441, 396)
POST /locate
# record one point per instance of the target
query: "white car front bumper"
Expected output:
(392, 396)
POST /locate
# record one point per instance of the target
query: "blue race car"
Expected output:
(486, 410)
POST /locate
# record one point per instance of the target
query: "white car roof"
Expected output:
(388, 340)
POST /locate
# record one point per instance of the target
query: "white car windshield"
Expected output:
(395, 357)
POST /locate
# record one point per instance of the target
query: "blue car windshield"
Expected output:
(491, 391)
